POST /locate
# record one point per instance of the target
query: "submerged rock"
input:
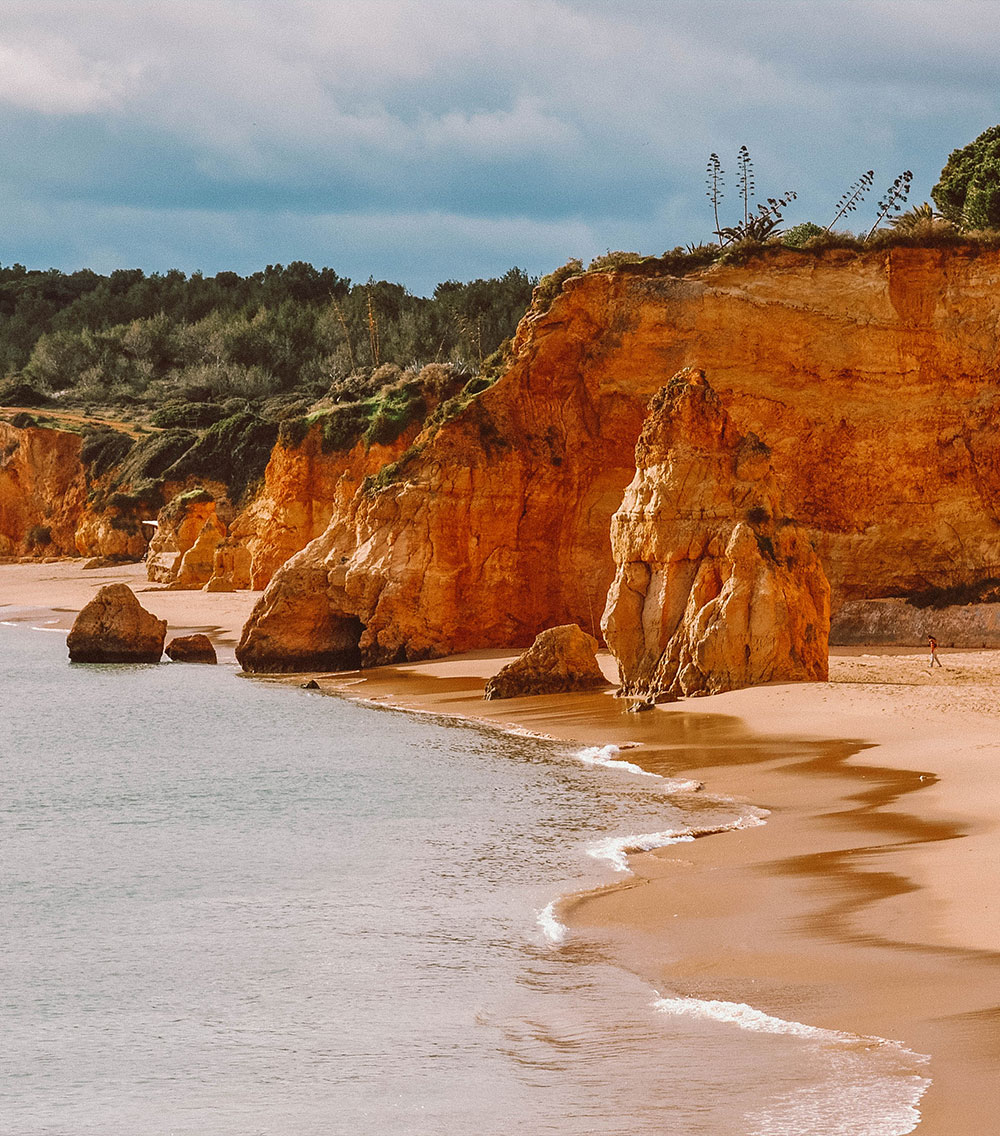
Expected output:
(191, 649)
(561, 659)
(716, 588)
(115, 628)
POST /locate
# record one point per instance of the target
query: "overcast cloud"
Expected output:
(421, 140)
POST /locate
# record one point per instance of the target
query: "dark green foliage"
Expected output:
(234, 451)
(23, 421)
(16, 392)
(483, 312)
(496, 364)
(400, 408)
(132, 339)
(151, 457)
(344, 426)
(968, 192)
(797, 235)
(192, 415)
(104, 449)
(292, 431)
(611, 260)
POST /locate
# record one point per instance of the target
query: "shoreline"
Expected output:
(862, 905)
(874, 867)
(58, 590)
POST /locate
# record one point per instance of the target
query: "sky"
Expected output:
(428, 140)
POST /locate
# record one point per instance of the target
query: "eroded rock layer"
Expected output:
(872, 377)
(303, 487)
(42, 491)
(190, 529)
(716, 587)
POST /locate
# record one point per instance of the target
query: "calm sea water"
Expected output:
(231, 908)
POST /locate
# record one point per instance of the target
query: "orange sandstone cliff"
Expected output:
(43, 491)
(716, 587)
(303, 486)
(872, 377)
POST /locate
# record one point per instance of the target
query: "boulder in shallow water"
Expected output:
(115, 628)
(191, 649)
(561, 659)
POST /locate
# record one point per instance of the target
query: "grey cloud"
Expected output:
(590, 120)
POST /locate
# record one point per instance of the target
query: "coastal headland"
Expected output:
(865, 903)
(738, 451)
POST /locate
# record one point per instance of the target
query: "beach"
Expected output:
(865, 903)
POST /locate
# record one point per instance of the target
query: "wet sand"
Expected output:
(867, 902)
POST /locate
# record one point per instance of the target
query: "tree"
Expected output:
(968, 193)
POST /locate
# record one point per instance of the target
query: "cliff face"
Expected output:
(44, 505)
(182, 551)
(716, 587)
(42, 491)
(303, 487)
(873, 379)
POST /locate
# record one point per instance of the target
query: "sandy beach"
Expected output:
(52, 594)
(866, 903)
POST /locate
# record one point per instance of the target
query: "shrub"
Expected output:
(192, 415)
(401, 407)
(16, 392)
(23, 421)
(234, 451)
(797, 235)
(550, 286)
(103, 449)
(150, 458)
(344, 425)
(292, 431)
(612, 260)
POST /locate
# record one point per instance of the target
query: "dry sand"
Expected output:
(53, 593)
(866, 903)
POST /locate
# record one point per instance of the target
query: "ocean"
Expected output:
(234, 908)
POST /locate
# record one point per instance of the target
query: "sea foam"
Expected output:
(607, 756)
(873, 1087)
(617, 849)
(552, 929)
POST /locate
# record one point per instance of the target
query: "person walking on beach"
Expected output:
(934, 655)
